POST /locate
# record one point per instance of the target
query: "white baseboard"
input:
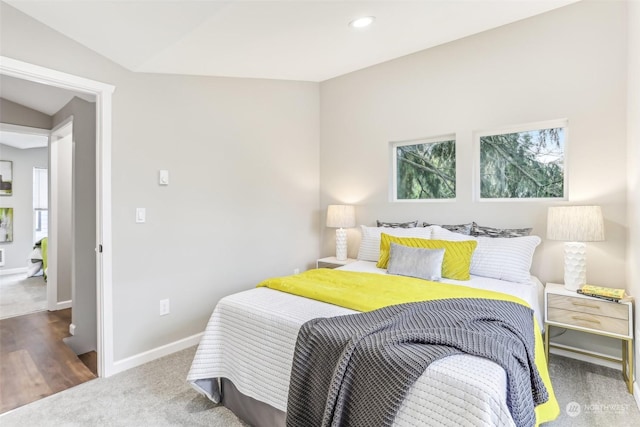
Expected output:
(63, 305)
(636, 393)
(156, 353)
(8, 271)
(585, 358)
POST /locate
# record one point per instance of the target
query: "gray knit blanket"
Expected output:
(355, 370)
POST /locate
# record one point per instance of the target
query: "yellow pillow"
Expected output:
(457, 255)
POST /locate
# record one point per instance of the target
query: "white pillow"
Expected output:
(370, 242)
(504, 258)
(497, 257)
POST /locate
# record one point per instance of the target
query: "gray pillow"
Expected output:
(482, 231)
(456, 228)
(410, 224)
(415, 262)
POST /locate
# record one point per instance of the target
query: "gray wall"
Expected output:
(61, 201)
(569, 63)
(242, 204)
(21, 201)
(83, 190)
(17, 114)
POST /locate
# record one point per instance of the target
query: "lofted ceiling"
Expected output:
(36, 96)
(23, 138)
(40, 97)
(291, 39)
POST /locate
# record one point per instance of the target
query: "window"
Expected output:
(40, 203)
(524, 162)
(424, 169)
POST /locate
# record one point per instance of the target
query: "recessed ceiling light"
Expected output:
(365, 21)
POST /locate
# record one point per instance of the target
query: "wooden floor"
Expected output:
(34, 361)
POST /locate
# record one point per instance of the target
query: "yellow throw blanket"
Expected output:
(371, 291)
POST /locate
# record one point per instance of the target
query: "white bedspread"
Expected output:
(250, 339)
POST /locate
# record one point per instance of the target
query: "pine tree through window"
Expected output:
(424, 169)
(524, 163)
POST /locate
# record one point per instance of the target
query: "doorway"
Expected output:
(103, 93)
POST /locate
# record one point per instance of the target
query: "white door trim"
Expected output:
(103, 93)
(56, 134)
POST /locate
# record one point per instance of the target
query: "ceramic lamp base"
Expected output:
(341, 244)
(575, 265)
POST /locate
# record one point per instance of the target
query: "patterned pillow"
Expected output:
(482, 231)
(410, 224)
(415, 262)
(370, 240)
(444, 234)
(457, 256)
(459, 228)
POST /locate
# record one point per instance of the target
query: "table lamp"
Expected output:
(575, 225)
(341, 217)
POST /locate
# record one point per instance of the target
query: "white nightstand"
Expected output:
(570, 310)
(332, 262)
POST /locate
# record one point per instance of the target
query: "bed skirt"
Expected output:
(250, 410)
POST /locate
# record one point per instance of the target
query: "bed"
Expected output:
(245, 357)
(37, 259)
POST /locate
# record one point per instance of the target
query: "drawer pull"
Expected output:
(586, 304)
(586, 319)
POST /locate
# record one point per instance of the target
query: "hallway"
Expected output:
(34, 360)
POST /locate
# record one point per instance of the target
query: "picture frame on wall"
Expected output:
(6, 225)
(6, 177)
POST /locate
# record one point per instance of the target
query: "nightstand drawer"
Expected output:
(590, 306)
(591, 321)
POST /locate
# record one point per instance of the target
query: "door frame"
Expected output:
(58, 133)
(103, 93)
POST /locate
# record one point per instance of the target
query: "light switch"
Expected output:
(163, 178)
(141, 215)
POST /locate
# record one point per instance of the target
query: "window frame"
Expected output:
(548, 124)
(393, 181)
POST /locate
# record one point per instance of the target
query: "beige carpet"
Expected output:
(156, 394)
(21, 295)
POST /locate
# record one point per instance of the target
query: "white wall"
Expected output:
(242, 203)
(568, 63)
(17, 252)
(633, 140)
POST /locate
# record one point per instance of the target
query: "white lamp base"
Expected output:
(575, 265)
(341, 244)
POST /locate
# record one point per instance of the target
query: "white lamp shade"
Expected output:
(341, 216)
(575, 224)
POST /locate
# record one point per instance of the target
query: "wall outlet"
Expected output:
(164, 307)
(296, 271)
